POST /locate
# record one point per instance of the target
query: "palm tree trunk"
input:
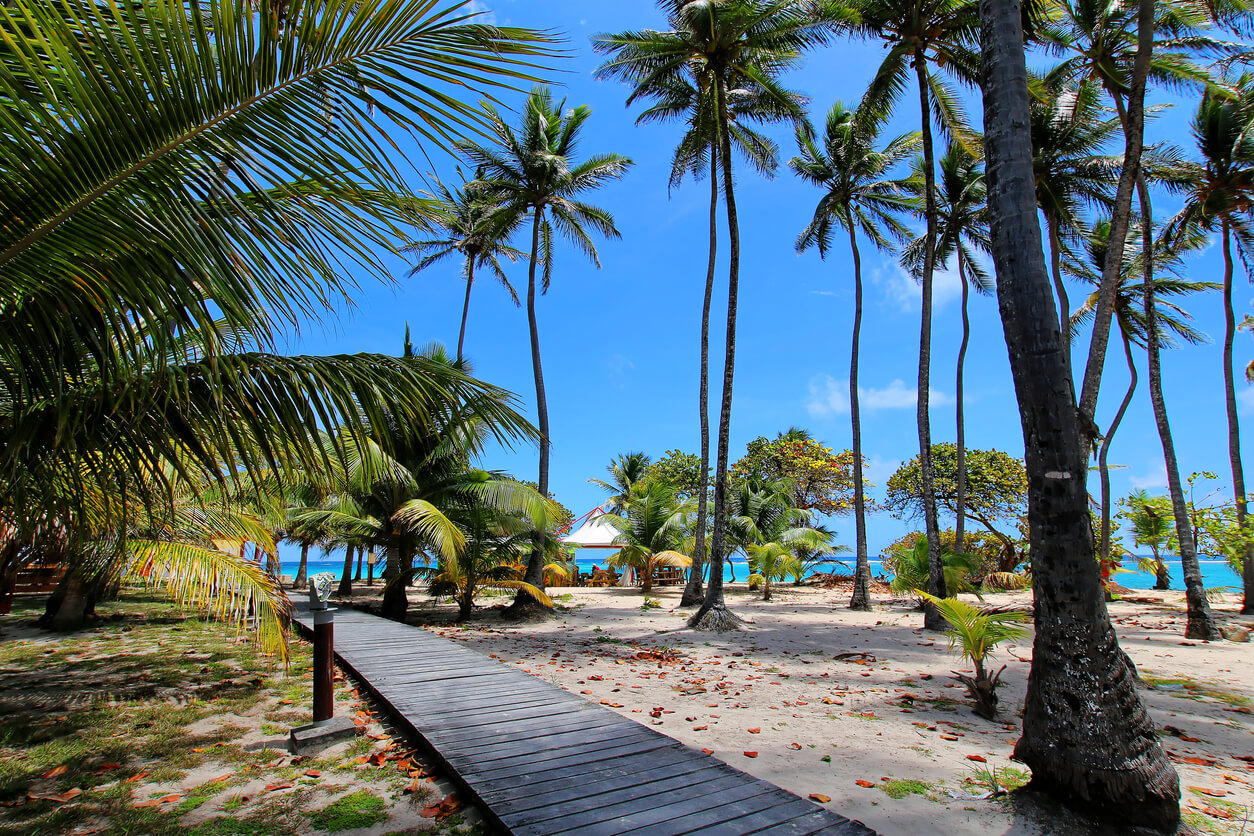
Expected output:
(1086, 734)
(1060, 287)
(346, 577)
(1133, 122)
(395, 601)
(861, 597)
(960, 497)
(302, 570)
(524, 605)
(1234, 424)
(1103, 469)
(470, 282)
(932, 619)
(361, 553)
(713, 613)
(694, 591)
(1201, 625)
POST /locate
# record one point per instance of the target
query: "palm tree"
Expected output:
(1220, 192)
(687, 92)
(471, 230)
(770, 529)
(1149, 528)
(858, 196)
(922, 33)
(1172, 322)
(533, 171)
(726, 47)
(650, 530)
(961, 230)
(625, 471)
(1106, 751)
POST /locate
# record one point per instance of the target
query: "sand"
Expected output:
(818, 699)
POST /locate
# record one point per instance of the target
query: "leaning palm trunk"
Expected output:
(960, 492)
(302, 570)
(1103, 469)
(861, 598)
(1132, 119)
(1201, 625)
(470, 282)
(346, 579)
(1055, 267)
(1086, 734)
(1234, 424)
(713, 613)
(693, 591)
(524, 604)
(932, 619)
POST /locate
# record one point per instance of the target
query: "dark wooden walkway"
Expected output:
(543, 761)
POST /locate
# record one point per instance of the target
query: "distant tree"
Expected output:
(1150, 520)
(822, 481)
(996, 488)
(560, 517)
(625, 471)
(992, 552)
(680, 470)
(650, 530)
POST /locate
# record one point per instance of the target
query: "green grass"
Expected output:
(901, 787)
(1191, 689)
(360, 809)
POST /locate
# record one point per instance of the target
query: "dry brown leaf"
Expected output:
(56, 772)
(862, 782)
(59, 798)
(820, 798)
(750, 754)
(977, 758)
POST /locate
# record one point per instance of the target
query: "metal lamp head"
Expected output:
(320, 590)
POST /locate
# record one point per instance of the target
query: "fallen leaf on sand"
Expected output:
(862, 782)
(794, 746)
(59, 798)
(750, 754)
(207, 748)
(137, 777)
(699, 728)
(150, 803)
(1197, 761)
(1214, 812)
(820, 798)
(312, 773)
(107, 767)
(977, 758)
(947, 737)
(755, 730)
(1211, 793)
(442, 809)
(56, 772)
(282, 786)
(708, 751)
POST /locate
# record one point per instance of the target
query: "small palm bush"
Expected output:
(976, 633)
(910, 570)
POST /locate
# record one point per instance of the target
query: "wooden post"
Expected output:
(324, 665)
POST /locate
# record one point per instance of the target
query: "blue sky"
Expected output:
(620, 343)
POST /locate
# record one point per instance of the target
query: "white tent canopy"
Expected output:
(595, 533)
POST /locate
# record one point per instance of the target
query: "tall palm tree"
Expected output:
(921, 34)
(533, 172)
(625, 471)
(1129, 316)
(1086, 733)
(859, 196)
(689, 94)
(961, 231)
(730, 46)
(1220, 194)
(471, 230)
(769, 528)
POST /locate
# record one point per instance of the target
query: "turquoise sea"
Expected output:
(1215, 572)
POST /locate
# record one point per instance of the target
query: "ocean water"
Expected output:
(1215, 573)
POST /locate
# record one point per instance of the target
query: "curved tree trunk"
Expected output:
(1060, 287)
(1234, 423)
(470, 282)
(395, 601)
(1201, 625)
(713, 613)
(524, 605)
(932, 619)
(1103, 469)
(302, 570)
(861, 597)
(1086, 734)
(361, 553)
(346, 577)
(694, 591)
(960, 498)
(1133, 123)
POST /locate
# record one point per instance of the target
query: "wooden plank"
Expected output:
(583, 798)
(770, 806)
(503, 746)
(537, 727)
(513, 767)
(818, 822)
(615, 771)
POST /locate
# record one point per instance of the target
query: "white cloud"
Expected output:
(485, 15)
(1156, 479)
(823, 293)
(878, 469)
(829, 396)
(905, 294)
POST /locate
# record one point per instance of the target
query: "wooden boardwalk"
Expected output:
(543, 761)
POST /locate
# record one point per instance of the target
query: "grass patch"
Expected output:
(360, 809)
(901, 787)
(1191, 689)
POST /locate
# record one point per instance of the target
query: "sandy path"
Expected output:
(820, 719)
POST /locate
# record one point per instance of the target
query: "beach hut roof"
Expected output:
(595, 533)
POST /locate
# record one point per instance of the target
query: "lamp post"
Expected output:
(323, 653)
